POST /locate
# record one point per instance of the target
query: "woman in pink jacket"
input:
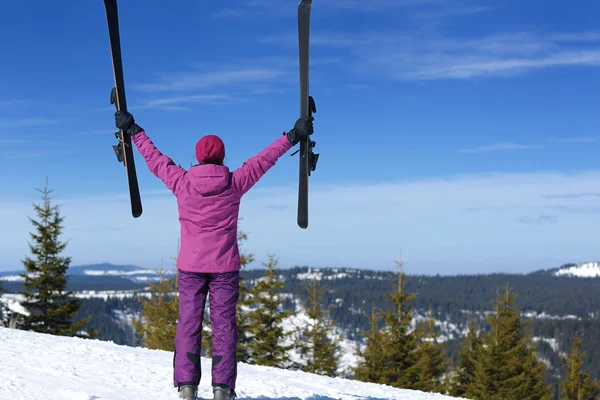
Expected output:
(208, 199)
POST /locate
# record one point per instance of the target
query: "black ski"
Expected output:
(123, 149)
(308, 159)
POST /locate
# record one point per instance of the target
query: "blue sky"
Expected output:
(465, 132)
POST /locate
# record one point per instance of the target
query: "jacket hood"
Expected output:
(207, 179)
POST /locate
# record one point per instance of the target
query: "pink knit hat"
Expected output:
(210, 150)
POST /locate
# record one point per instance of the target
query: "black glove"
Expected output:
(125, 121)
(302, 129)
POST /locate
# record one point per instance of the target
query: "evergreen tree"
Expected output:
(244, 338)
(400, 344)
(160, 313)
(577, 384)
(464, 372)
(206, 332)
(371, 358)
(507, 367)
(397, 351)
(267, 336)
(50, 307)
(315, 345)
(432, 362)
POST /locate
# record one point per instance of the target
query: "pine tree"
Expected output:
(400, 344)
(50, 307)
(394, 358)
(432, 362)
(315, 345)
(464, 372)
(577, 384)
(206, 332)
(370, 358)
(160, 313)
(244, 339)
(507, 367)
(265, 328)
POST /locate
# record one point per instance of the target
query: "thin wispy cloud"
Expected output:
(279, 9)
(179, 102)
(11, 103)
(39, 153)
(539, 219)
(579, 139)
(403, 55)
(187, 81)
(501, 147)
(91, 132)
(218, 84)
(451, 11)
(25, 141)
(592, 195)
(29, 122)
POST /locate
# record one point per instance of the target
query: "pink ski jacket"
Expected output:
(208, 200)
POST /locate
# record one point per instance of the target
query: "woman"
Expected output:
(208, 199)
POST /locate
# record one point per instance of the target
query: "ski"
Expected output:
(123, 149)
(308, 159)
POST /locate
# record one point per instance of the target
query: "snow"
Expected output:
(583, 270)
(40, 366)
(93, 272)
(12, 278)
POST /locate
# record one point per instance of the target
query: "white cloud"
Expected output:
(501, 147)
(577, 139)
(427, 55)
(201, 79)
(179, 102)
(279, 9)
(29, 122)
(474, 223)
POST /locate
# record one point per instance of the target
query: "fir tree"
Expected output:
(265, 328)
(464, 372)
(400, 344)
(160, 313)
(244, 339)
(315, 345)
(370, 358)
(507, 367)
(393, 353)
(206, 332)
(577, 384)
(432, 362)
(50, 307)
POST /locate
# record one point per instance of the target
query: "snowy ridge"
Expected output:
(12, 278)
(39, 366)
(334, 273)
(583, 270)
(113, 272)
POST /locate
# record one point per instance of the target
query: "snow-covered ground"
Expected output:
(38, 366)
(583, 270)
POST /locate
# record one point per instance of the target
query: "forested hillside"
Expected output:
(559, 307)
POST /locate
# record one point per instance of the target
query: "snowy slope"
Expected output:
(583, 270)
(37, 366)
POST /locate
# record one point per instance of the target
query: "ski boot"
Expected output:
(223, 392)
(188, 392)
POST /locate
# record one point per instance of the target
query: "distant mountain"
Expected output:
(104, 276)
